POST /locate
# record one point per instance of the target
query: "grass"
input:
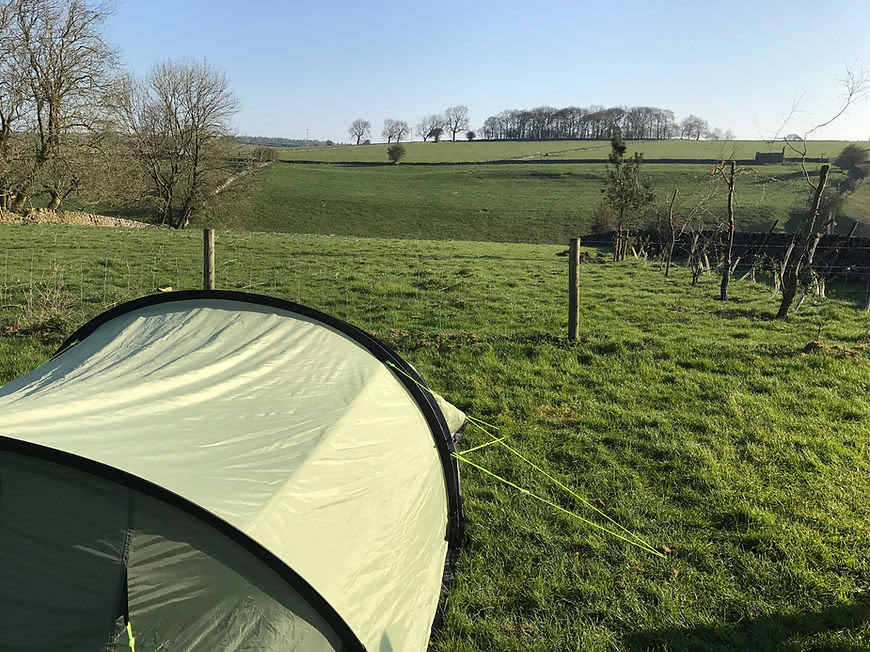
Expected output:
(508, 203)
(857, 206)
(520, 202)
(705, 427)
(419, 152)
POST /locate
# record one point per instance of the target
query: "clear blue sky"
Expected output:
(319, 65)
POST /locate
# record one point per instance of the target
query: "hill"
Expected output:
(507, 203)
(477, 151)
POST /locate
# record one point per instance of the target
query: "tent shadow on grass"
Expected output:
(777, 631)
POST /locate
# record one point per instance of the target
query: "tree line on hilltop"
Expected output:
(597, 123)
(548, 123)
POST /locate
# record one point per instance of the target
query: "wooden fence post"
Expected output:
(573, 288)
(208, 259)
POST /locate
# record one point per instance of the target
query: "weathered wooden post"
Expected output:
(208, 259)
(573, 289)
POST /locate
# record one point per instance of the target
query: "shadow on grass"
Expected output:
(785, 632)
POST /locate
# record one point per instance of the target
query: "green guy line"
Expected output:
(635, 540)
(559, 507)
(562, 485)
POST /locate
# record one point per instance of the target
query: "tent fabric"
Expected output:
(286, 429)
(65, 559)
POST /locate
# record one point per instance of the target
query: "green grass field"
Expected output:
(419, 152)
(529, 201)
(508, 203)
(705, 427)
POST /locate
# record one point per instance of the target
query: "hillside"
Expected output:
(736, 445)
(534, 200)
(445, 151)
(504, 203)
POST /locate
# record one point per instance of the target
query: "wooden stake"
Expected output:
(208, 259)
(573, 289)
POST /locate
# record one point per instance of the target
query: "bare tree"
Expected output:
(395, 130)
(67, 67)
(13, 98)
(799, 255)
(729, 248)
(359, 129)
(179, 119)
(800, 251)
(693, 127)
(427, 126)
(456, 120)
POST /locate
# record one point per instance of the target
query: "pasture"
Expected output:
(530, 203)
(737, 445)
(463, 151)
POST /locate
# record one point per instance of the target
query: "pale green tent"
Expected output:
(224, 471)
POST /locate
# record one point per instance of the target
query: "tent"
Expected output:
(218, 470)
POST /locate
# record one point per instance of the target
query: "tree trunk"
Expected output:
(55, 202)
(673, 234)
(793, 266)
(726, 267)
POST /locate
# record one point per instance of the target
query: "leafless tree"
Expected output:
(395, 130)
(456, 120)
(799, 255)
(13, 98)
(179, 119)
(359, 129)
(729, 177)
(67, 67)
(693, 127)
(427, 126)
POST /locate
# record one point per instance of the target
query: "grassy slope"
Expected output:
(510, 203)
(702, 426)
(497, 150)
(857, 206)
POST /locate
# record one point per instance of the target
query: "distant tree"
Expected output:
(427, 125)
(470, 135)
(626, 193)
(359, 129)
(456, 120)
(263, 154)
(330, 143)
(794, 137)
(729, 135)
(435, 134)
(396, 152)
(367, 141)
(693, 127)
(395, 130)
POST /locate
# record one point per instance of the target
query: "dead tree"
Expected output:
(672, 234)
(729, 248)
(798, 255)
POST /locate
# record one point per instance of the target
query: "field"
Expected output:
(533, 200)
(530, 203)
(737, 445)
(418, 152)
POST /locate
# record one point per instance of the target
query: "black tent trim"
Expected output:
(348, 638)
